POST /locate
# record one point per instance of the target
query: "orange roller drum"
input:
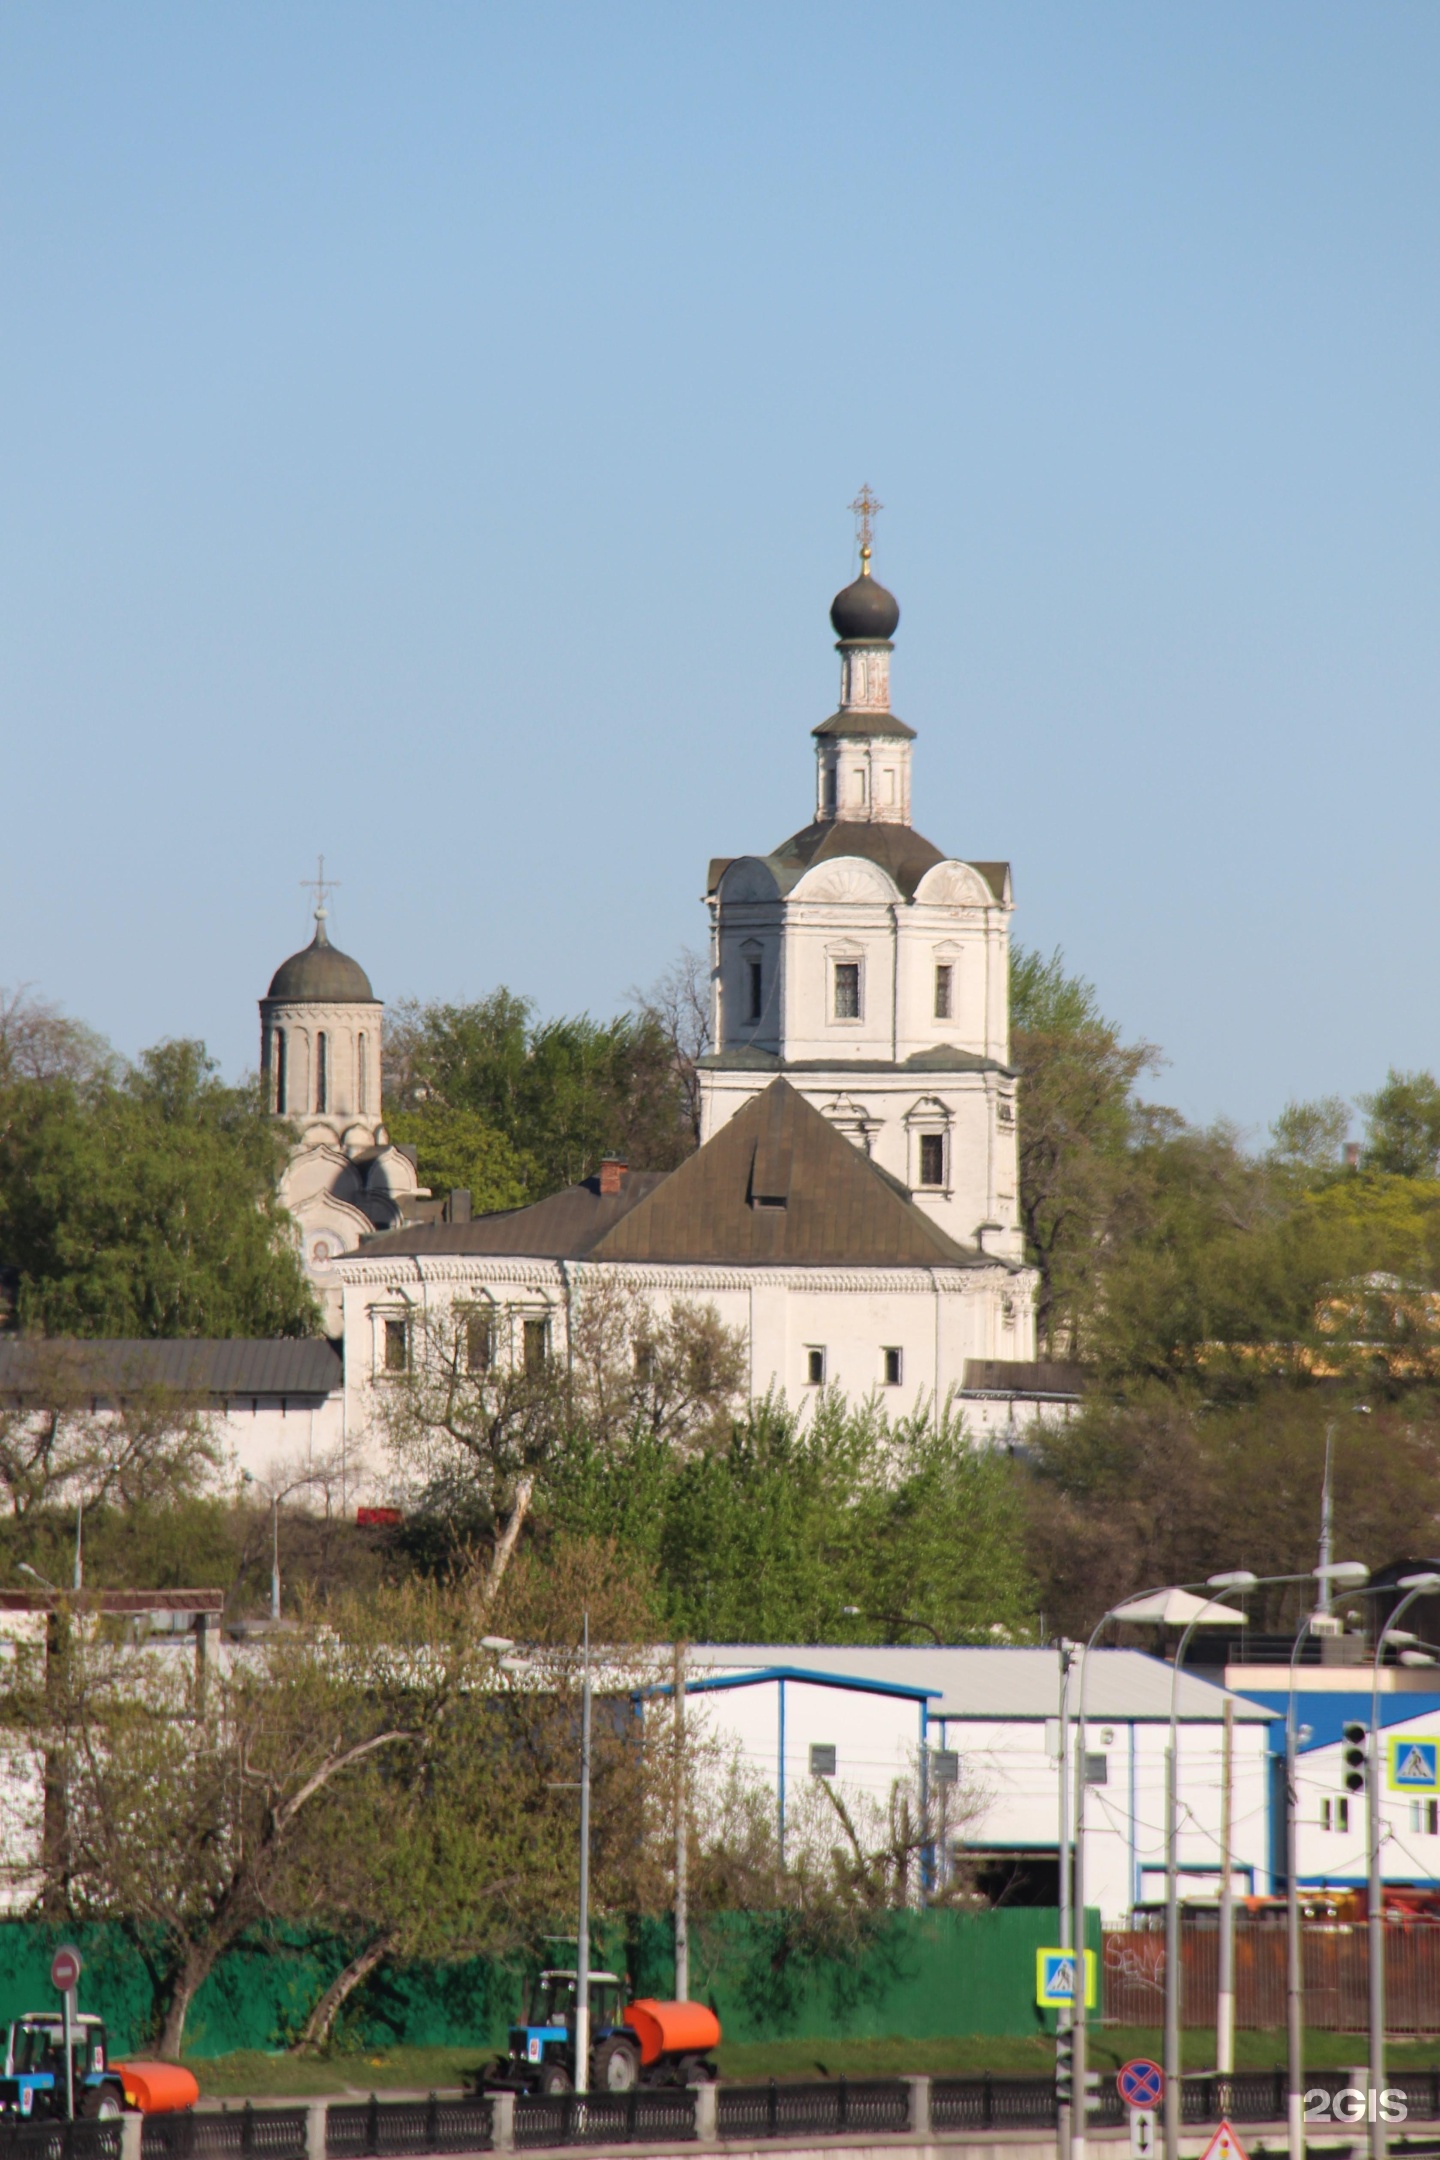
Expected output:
(157, 2088)
(671, 2028)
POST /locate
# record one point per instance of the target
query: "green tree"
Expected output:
(561, 1093)
(458, 1148)
(145, 1204)
(1402, 1125)
(1307, 1137)
(1077, 1125)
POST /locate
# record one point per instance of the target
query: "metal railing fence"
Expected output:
(83, 2140)
(827, 2108)
(231, 2134)
(646, 2116)
(379, 2129)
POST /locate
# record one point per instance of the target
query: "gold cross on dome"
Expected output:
(321, 886)
(865, 507)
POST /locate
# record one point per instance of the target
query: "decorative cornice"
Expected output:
(456, 1268)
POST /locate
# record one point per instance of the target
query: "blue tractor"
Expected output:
(33, 2086)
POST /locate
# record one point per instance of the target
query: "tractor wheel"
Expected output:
(554, 2078)
(617, 2066)
(102, 2104)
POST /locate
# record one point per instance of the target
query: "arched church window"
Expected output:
(830, 782)
(277, 1052)
(322, 1072)
(360, 1102)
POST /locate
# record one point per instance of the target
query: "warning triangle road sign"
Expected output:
(1224, 2145)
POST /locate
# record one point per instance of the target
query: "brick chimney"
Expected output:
(612, 1176)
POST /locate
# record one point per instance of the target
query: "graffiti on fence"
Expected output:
(1136, 1961)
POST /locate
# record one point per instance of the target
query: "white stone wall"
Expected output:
(937, 1318)
(849, 911)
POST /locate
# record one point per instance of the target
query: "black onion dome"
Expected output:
(865, 610)
(321, 975)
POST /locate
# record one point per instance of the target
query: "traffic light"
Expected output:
(1356, 1756)
(1094, 2098)
(1064, 2066)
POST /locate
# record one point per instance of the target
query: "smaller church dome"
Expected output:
(864, 609)
(321, 975)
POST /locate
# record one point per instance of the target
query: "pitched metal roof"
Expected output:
(32, 1367)
(999, 1683)
(780, 1185)
(567, 1226)
(902, 853)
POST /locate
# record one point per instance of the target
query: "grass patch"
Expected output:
(360, 2072)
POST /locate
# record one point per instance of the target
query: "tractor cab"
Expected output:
(542, 2049)
(34, 2080)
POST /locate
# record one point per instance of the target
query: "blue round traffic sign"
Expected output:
(1141, 2083)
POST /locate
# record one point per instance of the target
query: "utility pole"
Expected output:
(1225, 1996)
(682, 1840)
(582, 1960)
(1064, 2044)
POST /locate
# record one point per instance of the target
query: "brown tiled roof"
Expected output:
(779, 1184)
(32, 1366)
(564, 1227)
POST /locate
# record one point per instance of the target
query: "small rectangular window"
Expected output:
(479, 1341)
(537, 1345)
(847, 990)
(932, 1158)
(815, 1367)
(893, 1367)
(397, 1345)
(1425, 1817)
(280, 1102)
(1335, 1815)
(753, 987)
(944, 975)
(822, 1759)
(360, 1103)
(322, 1073)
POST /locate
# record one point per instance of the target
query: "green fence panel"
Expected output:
(921, 1975)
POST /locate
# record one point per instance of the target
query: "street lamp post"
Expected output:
(1350, 1574)
(275, 1498)
(1080, 2021)
(1414, 1586)
(582, 1961)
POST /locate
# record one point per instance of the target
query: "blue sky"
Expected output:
(428, 431)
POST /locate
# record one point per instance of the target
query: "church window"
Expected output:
(847, 990)
(932, 1158)
(894, 1366)
(479, 1342)
(537, 1345)
(279, 1055)
(815, 1365)
(860, 784)
(889, 779)
(830, 781)
(944, 980)
(753, 988)
(322, 1072)
(397, 1344)
(360, 1102)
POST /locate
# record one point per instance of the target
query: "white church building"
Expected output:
(852, 1210)
(853, 1207)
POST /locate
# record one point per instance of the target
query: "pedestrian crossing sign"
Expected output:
(1414, 1764)
(1055, 1979)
